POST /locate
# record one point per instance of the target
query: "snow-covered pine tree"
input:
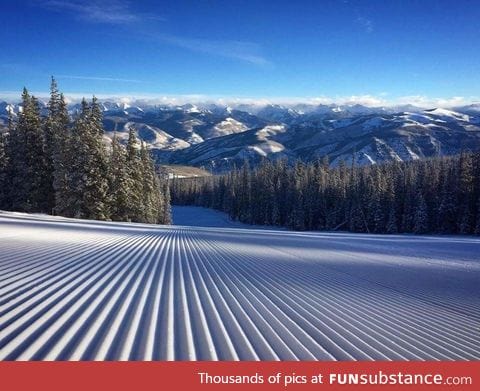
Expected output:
(96, 118)
(477, 225)
(166, 217)
(3, 173)
(408, 201)
(77, 152)
(120, 182)
(27, 164)
(47, 167)
(56, 144)
(51, 130)
(396, 196)
(157, 188)
(88, 170)
(244, 190)
(95, 196)
(391, 227)
(17, 164)
(447, 210)
(420, 221)
(465, 193)
(297, 217)
(151, 197)
(135, 173)
(61, 157)
(378, 214)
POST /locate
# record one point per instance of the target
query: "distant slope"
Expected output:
(370, 138)
(193, 216)
(217, 137)
(183, 171)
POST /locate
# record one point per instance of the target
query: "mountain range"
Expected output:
(216, 137)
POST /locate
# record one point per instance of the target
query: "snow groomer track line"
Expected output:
(82, 290)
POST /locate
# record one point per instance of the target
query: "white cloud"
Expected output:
(249, 52)
(153, 99)
(425, 101)
(121, 12)
(99, 11)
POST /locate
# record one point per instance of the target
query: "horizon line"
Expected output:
(367, 100)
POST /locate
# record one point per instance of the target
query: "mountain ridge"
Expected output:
(217, 137)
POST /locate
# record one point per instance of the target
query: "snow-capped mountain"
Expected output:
(218, 136)
(371, 137)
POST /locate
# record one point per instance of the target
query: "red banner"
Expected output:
(149, 376)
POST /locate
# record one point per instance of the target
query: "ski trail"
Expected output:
(82, 290)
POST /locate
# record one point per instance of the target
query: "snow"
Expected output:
(227, 126)
(211, 289)
(10, 109)
(449, 114)
(270, 131)
(189, 124)
(368, 158)
(204, 217)
(157, 138)
(412, 154)
(195, 138)
(190, 108)
(266, 148)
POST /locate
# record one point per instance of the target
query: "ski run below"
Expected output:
(85, 290)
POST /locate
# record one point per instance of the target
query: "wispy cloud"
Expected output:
(97, 78)
(365, 23)
(249, 52)
(100, 11)
(426, 101)
(122, 12)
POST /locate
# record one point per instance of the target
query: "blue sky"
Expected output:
(368, 51)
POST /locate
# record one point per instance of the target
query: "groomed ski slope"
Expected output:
(80, 290)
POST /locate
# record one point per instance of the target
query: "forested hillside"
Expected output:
(58, 166)
(440, 195)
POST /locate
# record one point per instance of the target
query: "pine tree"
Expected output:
(56, 144)
(135, 173)
(297, 216)
(62, 153)
(378, 216)
(388, 198)
(77, 153)
(95, 196)
(421, 217)
(166, 212)
(120, 182)
(46, 166)
(3, 174)
(151, 196)
(392, 227)
(27, 163)
(51, 133)
(465, 198)
(447, 210)
(88, 172)
(477, 225)
(17, 164)
(95, 118)
(244, 191)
